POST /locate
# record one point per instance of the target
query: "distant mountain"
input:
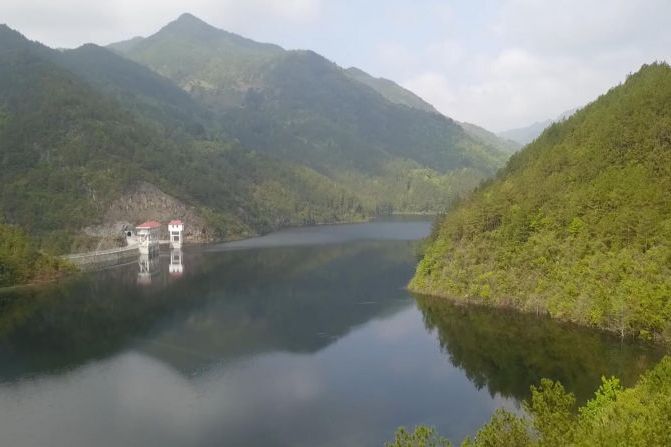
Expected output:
(502, 144)
(399, 95)
(578, 223)
(296, 105)
(525, 135)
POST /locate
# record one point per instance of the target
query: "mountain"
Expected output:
(208, 62)
(525, 135)
(137, 88)
(390, 90)
(300, 107)
(502, 144)
(578, 223)
(235, 136)
(74, 153)
(399, 95)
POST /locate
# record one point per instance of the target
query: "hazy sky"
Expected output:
(500, 64)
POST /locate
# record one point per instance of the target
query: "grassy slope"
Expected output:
(579, 222)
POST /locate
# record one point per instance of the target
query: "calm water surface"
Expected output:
(301, 338)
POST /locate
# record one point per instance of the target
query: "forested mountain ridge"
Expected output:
(399, 95)
(68, 151)
(577, 224)
(390, 90)
(298, 106)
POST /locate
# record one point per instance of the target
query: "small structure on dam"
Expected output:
(175, 229)
(148, 236)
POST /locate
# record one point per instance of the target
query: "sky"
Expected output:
(500, 64)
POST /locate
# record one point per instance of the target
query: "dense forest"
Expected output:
(578, 224)
(615, 416)
(21, 262)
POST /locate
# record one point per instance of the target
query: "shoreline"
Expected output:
(657, 339)
(79, 270)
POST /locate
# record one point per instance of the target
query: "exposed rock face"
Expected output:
(146, 202)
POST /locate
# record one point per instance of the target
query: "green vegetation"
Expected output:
(67, 151)
(616, 416)
(390, 90)
(381, 142)
(21, 262)
(578, 224)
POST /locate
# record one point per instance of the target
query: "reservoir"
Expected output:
(305, 337)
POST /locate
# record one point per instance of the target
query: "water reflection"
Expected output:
(227, 305)
(176, 268)
(148, 264)
(507, 352)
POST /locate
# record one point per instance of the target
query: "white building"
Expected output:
(148, 236)
(175, 229)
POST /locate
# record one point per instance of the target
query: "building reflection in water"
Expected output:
(176, 268)
(148, 267)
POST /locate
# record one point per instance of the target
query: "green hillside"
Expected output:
(298, 106)
(210, 63)
(578, 224)
(21, 262)
(67, 151)
(399, 95)
(390, 90)
(139, 89)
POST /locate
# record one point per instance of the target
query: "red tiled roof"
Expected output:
(175, 222)
(150, 224)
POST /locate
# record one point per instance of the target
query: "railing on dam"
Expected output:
(103, 258)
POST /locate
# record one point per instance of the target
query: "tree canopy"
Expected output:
(578, 224)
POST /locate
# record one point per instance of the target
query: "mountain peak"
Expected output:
(187, 22)
(187, 17)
